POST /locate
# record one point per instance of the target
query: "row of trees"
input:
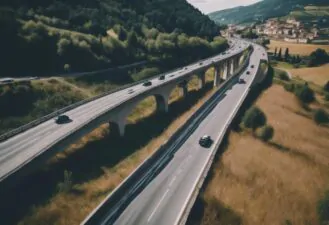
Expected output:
(279, 55)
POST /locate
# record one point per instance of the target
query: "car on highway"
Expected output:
(205, 141)
(147, 83)
(241, 81)
(200, 63)
(248, 72)
(63, 119)
(162, 77)
(252, 66)
(130, 91)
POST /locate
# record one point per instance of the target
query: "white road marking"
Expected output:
(157, 206)
(172, 181)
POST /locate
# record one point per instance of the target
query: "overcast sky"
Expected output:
(207, 6)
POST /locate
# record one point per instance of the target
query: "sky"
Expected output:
(207, 6)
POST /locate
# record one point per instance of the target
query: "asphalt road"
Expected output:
(22, 148)
(163, 200)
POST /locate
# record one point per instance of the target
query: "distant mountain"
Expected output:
(262, 10)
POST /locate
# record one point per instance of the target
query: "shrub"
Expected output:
(253, 118)
(283, 76)
(266, 133)
(289, 87)
(323, 208)
(320, 116)
(304, 93)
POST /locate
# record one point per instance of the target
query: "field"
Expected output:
(318, 75)
(295, 49)
(98, 162)
(277, 183)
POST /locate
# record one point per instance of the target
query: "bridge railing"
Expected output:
(40, 120)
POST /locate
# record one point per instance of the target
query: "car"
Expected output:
(205, 141)
(185, 68)
(130, 91)
(248, 72)
(147, 83)
(252, 66)
(241, 81)
(162, 77)
(200, 63)
(62, 119)
(172, 75)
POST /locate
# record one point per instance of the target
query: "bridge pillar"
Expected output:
(218, 69)
(202, 79)
(231, 67)
(162, 103)
(183, 86)
(117, 128)
(225, 70)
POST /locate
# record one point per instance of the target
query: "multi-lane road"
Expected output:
(164, 199)
(19, 150)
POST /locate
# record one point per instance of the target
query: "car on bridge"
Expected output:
(162, 77)
(248, 72)
(205, 141)
(147, 83)
(63, 119)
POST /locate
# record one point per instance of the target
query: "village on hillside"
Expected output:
(288, 30)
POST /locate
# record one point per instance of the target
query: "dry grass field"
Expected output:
(106, 170)
(318, 75)
(271, 184)
(295, 49)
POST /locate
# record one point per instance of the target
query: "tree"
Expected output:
(320, 116)
(275, 52)
(280, 54)
(122, 34)
(286, 54)
(266, 133)
(66, 185)
(253, 118)
(304, 93)
(67, 67)
(318, 57)
(326, 86)
(298, 59)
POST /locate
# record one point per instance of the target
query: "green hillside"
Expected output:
(269, 9)
(47, 36)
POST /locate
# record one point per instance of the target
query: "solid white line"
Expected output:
(157, 206)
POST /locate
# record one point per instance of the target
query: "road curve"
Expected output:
(164, 198)
(19, 150)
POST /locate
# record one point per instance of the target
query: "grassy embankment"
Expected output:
(98, 162)
(279, 182)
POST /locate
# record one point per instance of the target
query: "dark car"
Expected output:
(241, 81)
(252, 66)
(130, 91)
(205, 141)
(200, 63)
(147, 83)
(63, 119)
(162, 77)
(248, 72)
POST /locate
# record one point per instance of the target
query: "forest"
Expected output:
(47, 36)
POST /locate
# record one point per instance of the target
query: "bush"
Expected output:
(320, 116)
(289, 87)
(304, 93)
(323, 208)
(283, 76)
(253, 118)
(266, 133)
(67, 184)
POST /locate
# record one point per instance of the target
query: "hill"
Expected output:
(264, 10)
(55, 36)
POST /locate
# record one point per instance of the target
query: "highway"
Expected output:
(21, 149)
(163, 200)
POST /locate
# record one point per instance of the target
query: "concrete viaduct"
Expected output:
(222, 71)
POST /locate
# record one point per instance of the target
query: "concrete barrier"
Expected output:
(119, 198)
